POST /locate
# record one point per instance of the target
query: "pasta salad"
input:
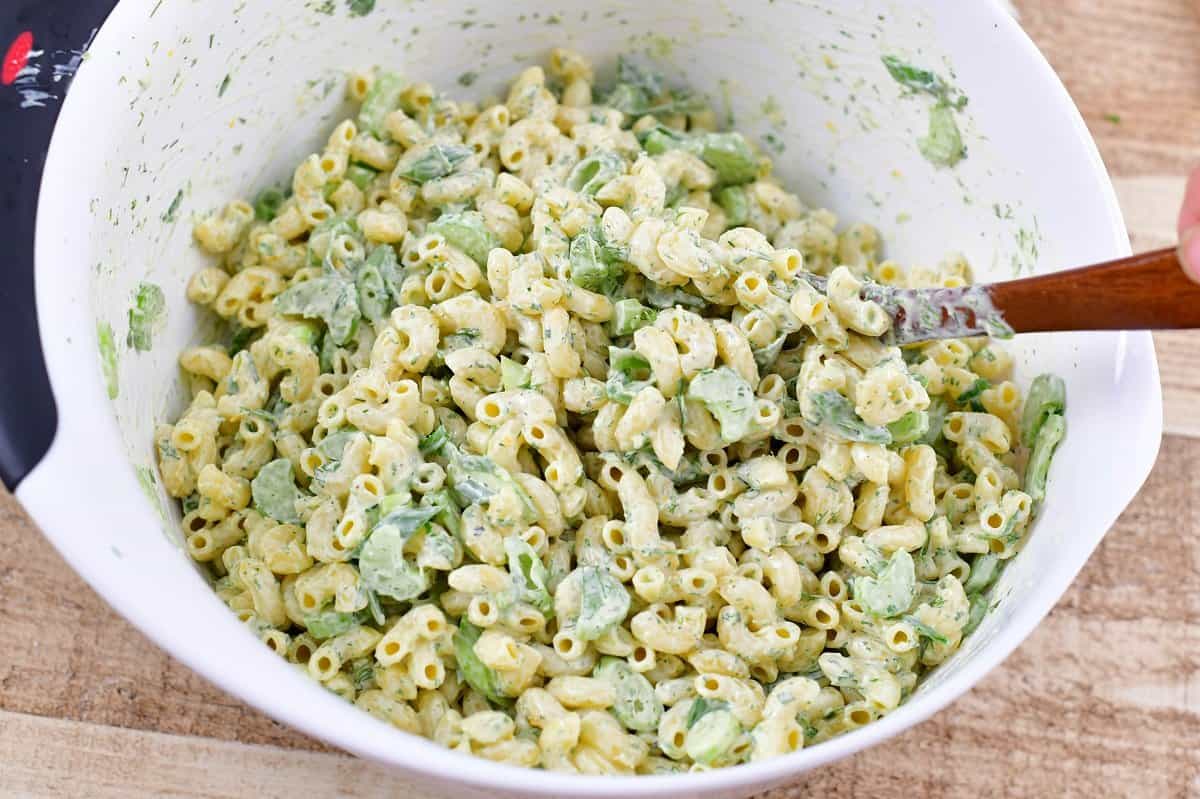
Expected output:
(530, 436)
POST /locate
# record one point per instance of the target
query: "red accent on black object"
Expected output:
(16, 57)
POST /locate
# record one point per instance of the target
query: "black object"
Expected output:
(35, 35)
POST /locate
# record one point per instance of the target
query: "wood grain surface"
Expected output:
(1102, 700)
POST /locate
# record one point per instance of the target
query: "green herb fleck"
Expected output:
(241, 338)
(925, 631)
(169, 216)
(774, 142)
(148, 307)
(266, 204)
(433, 443)
(970, 397)
(923, 80)
(108, 357)
(943, 145)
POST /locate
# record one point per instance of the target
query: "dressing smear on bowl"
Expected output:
(560, 432)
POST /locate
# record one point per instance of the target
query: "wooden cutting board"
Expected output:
(1102, 700)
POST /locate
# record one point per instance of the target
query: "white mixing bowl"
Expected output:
(181, 105)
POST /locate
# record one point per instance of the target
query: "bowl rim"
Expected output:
(415, 755)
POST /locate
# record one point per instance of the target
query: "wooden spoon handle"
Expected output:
(1141, 292)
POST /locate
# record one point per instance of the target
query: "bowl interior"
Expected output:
(206, 102)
